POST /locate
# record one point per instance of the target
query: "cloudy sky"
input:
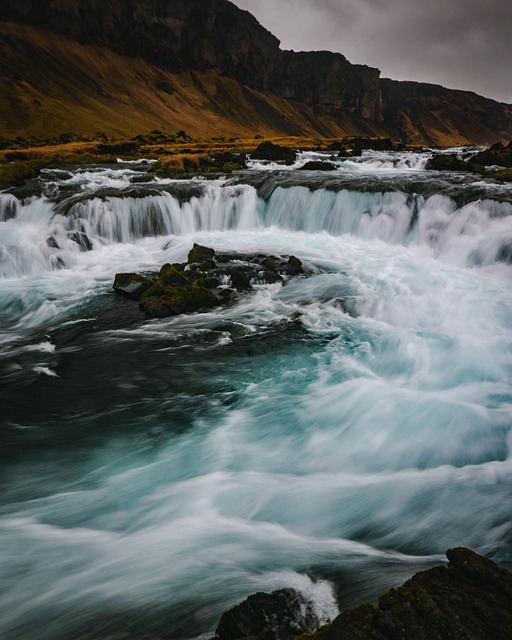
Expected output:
(461, 44)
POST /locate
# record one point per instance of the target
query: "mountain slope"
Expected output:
(50, 85)
(128, 66)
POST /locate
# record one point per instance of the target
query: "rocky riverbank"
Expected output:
(469, 599)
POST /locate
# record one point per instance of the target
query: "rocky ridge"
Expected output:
(215, 68)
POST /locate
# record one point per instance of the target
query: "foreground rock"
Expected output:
(280, 615)
(470, 599)
(206, 280)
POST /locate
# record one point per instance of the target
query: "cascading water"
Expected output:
(333, 435)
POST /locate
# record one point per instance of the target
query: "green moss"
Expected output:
(198, 253)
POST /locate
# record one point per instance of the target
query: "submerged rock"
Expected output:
(469, 599)
(206, 280)
(280, 615)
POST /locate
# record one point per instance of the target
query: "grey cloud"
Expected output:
(461, 44)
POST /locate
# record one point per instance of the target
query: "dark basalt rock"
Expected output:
(447, 162)
(318, 165)
(199, 253)
(81, 239)
(280, 615)
(274, 152)
(498, 154)
(197, 284)
(132, 285)
(470, 599)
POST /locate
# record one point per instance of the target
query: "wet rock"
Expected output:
(52, 242)
(497, 154)
(293, 266)
(447, 162)
(199, 253)
(280, 615)
(81, 239)
(177, 299)
(469, 599)
(240, 279)
(206, 280)
(318, 165)
(170, 275)
(274, 152)
(132, 285)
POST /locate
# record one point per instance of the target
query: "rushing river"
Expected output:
(334, 435)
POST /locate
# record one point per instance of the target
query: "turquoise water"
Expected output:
(334, 435)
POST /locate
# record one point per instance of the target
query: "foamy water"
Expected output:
(334, 435)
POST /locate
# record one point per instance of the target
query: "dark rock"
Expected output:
(280, 615)
(495, 155)
(196, 285)
(14, 156)
(119, 148)
(169, 275)
(225, 162)
(293, 266)
(470, 599)
(52, 242)
(199, 253)
(81, 239)
(319, 165)
(177, 299)
(240, 279)
(274, 152)
(447, 162)
(132, 285)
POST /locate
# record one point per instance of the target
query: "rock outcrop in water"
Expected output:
(280, 615)
(206, 280)
(470, 599)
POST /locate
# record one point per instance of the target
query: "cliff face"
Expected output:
(207, 35)
(215, 69)
(420, 113)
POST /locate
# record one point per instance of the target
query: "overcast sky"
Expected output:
(461, 44)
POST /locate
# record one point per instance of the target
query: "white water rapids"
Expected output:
(334, 435)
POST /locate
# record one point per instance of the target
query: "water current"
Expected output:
(334, 435)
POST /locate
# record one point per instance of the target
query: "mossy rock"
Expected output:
(240, 279)
(132, 285)
(179, 299)
(294, 266)
(447, 162)
(199, 254)
(169, 275)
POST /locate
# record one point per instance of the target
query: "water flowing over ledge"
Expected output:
(333, 435)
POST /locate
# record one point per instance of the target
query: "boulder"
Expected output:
(202, 282)
(469, 599)
(318, 165)
(447, 162)
(81, 239)
(132, 285)
(274, 152)
(199, 253)
(280, 615)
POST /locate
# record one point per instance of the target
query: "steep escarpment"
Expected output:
(207, 35)
(421, 113)
(126, 66)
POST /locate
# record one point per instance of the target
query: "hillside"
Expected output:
(206, 66)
